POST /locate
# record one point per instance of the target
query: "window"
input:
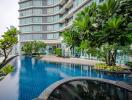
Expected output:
(56, 27)
(26, 13)
(37, 28)
(37, 11)
(37, 3)
(56, 18)
(36, 36)
(50, 19)
(53, 18)
(53, 36)
(50, 27)
(50, 36)
(37, 19)
(25, 4)
(25, 21)
(53, 27)
(50, 10)
(25, 37)
(56, 9)
(50, 2)
(26, 29)
(22, 21)
(56, 35)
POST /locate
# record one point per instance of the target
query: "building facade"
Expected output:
(44, 19)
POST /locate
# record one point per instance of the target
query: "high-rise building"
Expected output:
(45, 19)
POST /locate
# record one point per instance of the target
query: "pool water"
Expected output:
(89, 90)
(32, 76)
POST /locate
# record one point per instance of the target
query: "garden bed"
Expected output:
(112, 69)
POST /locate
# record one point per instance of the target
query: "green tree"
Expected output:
(33, 47)
(103, 28)
(115, 28)
(8, 40)
(27, 48)
(58, 52)
(71, 37)
(38, 46)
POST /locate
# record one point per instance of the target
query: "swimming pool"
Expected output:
(32, 76)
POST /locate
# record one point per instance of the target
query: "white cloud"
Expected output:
(8, 14)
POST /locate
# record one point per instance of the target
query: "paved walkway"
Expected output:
(69, 60)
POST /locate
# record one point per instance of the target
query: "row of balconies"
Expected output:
(61, 3)
(64, 18)
(62, 10)
(45, 29)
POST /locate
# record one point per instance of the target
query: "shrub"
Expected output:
(103, 66)
(7, 69)
(58, 52)
(33, 47)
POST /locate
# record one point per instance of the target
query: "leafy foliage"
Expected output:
(8, 40)
(109, 68)
(102, 29)
(33, 47)
(7, 69)
(71, 37)
(58, 52)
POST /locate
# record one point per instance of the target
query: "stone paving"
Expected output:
(69, 60)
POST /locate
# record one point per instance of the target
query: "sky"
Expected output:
(8, 14)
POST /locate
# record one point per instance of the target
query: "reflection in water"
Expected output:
(32, 76)
(81, 70)
(89, 90)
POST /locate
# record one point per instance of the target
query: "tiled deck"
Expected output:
(69, 60)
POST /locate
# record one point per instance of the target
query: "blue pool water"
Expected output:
(32, 76)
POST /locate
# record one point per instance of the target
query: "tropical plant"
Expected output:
(7, 69)
(33, 47)
(8, 40)
(105, 67)
(71, 37)
(103, 28)
(58, 52)
(27, 48)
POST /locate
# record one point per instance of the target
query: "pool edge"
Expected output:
(46, 93)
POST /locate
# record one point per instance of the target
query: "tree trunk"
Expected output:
(108, 57)
(111, 58)
(5, 58)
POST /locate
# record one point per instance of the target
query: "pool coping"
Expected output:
(46, 93)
